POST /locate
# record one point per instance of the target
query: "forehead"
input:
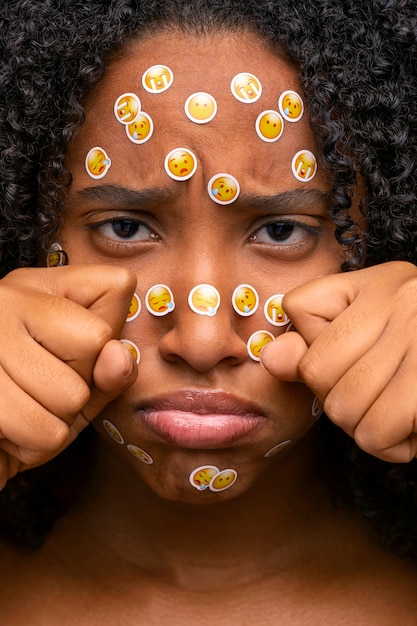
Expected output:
(224, 129)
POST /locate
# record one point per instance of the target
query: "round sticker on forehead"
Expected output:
(304, 166)
(223, 188)
(141, 129)
(291, 106)
(180, 164)
(157, 78)
(269, 125)
(246, 88)
(200, 107)
(97, 162)
(126, 108)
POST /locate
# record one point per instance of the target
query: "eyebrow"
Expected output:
(285, 201)
(128, 198)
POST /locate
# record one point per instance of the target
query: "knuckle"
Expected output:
(310, 371)
(335, 409)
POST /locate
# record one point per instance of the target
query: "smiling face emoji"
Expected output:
(204, 300)
(180, 164)
(245, 300)
(159, 300)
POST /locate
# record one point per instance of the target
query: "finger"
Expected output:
(281, 357)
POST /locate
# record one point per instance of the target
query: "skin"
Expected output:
(291, 556)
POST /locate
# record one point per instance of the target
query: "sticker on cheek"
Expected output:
(97, 162)
(304, 166)
(269, 126)
(200, 107)
(274, 312)
(277, 448)
(291, 106)
(317, 408)
(140, 454)
(180, 164)
(127, 107)
(257, 342)
(201, 477)
(223, 480)
(141, 129)
(223, 188)
(159, 300)
(113, 432)
(246, 87)
(204, 300)
(133, 349)
(245, 300)
(157, 79)
(134, 309)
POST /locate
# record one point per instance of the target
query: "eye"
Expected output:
(125, 230)
(284, 233)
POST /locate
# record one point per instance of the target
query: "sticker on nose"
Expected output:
(204, 300)
(245, 300)
(159, 300)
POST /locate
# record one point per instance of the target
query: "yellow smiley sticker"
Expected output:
(97, 162)
(140, 454)
(204, 299)
(200, 107)
(246, 88)
(223, 480)
(141, 129)
(269, 126)
(201, 477)
(157, 79)
(113, 432)
(304, 166)
(245, 300)
(274, 312)
(257, 342)
(180, 164)
(159, 300)
(133, 349)
(126, 108)
(223, 188)
(291, 106)
(134, 309)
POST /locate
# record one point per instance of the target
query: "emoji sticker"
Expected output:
(223, 480)
(257, 342)
(201, 477)
(277, 448)
(245, 300)
(269, 125)
(141, 129)
(133, 349)
(113, 432)
(291, 106)
(140, 454)
(204, 300)
(157, 79)
(200, 107)
(159, 300)
(97, 162)
(223, 188)
(134, 309)
(304, 166)
(127, 107)
(317, 408)
(56, 256)
(246, 88)
(274, 312)
(180, 164)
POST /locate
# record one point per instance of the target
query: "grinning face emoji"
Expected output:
(97, 162)
(127, 107)
(204, 300)
(245, 300)
(141, 129)
(223, 480)
(291, 106)
(159, 300)
(257, 342)
(200, 107)
(269, 125)
(157, 79)
(274, 312)
(180, 164)
(304, 166)
(223, 188)
(246, 88)
(200, 478)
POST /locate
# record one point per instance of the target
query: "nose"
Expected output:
(203, 342)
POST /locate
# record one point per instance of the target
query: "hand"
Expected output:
(60, 362)
(356, 349)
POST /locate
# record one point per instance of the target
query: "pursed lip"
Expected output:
(200, 419)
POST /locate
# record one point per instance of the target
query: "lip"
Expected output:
(197, 419)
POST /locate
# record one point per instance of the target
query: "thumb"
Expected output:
(282, 356)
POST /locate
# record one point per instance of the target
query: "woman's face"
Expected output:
(210, 205)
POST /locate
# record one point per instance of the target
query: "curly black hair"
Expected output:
(357, 66)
